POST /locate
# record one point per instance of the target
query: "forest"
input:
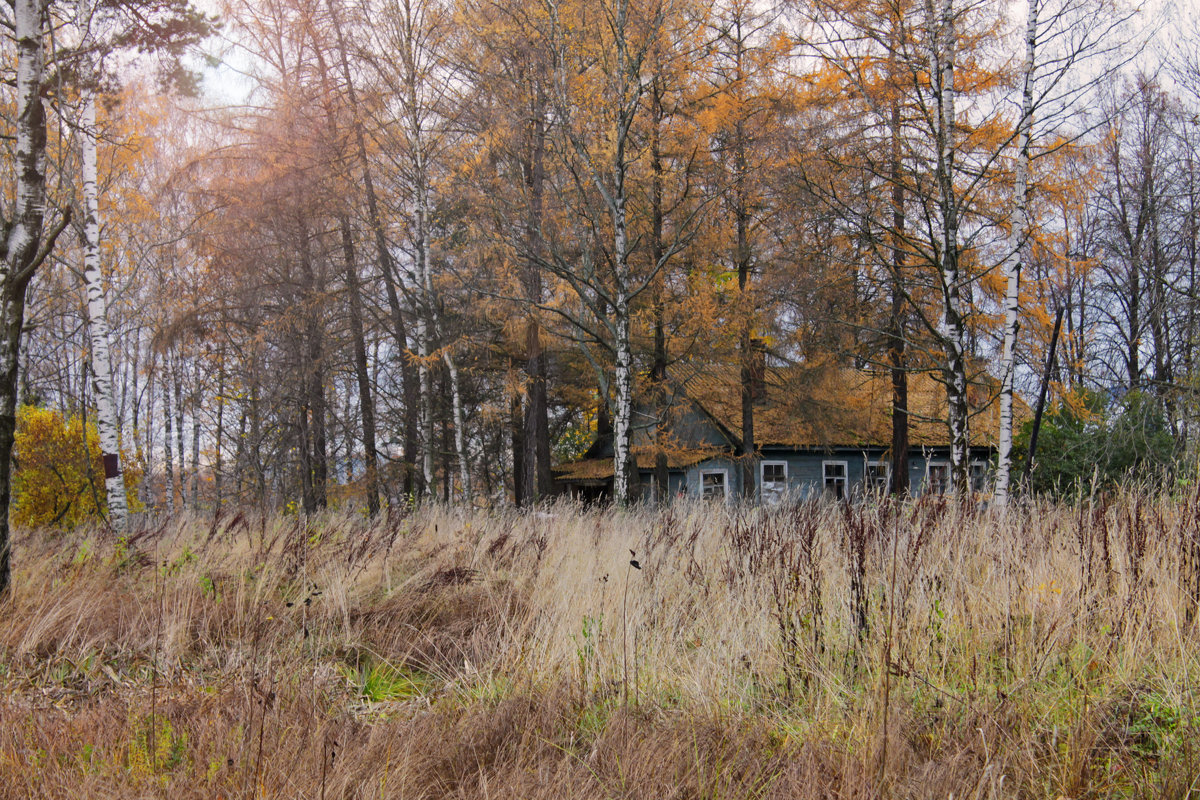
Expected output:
(308, 306)
(293, 254)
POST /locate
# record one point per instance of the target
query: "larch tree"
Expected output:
(508, 114)
(750, 99)
(384, 260)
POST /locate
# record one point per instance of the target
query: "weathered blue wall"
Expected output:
(805, 472)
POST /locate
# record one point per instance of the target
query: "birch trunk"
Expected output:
(424, 331)
(624, 398)
(622, 419)
(460, 428)
(954, 331)
(23, 245)
(98, 330)
(168, 453)
(1015, 261)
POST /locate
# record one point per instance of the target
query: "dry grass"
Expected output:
(906, 651)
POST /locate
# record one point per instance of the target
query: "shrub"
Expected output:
(58, 473)
(1089, 442)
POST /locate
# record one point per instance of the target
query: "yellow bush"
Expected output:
(58, 477)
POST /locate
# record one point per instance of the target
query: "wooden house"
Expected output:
(819, 431)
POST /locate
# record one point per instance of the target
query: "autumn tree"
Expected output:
(747, 113)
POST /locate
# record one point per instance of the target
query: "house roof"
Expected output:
(601, 469)
(816, 407)
(801, 408)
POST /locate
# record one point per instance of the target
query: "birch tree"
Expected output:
(419, 80)
(107, 424)
(25, 241)
(98, 330)
(599, 84)
(1060, 37)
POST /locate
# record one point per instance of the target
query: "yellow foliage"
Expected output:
(58, 479)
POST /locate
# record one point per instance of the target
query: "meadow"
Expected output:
(887, 650)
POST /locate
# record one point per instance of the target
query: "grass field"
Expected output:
(894, 651)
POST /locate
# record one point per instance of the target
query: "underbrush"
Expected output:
(879, 650)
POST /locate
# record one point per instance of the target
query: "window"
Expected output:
(774, 481)
(713, 484)
(834, 474)
(878, 477)
(979, 476)
(937, 478)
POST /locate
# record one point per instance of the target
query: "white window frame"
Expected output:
(948, 488)
(724, 473)
(844, 477)
(774, 495)
(887, 475)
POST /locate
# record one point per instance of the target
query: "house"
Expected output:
(819, 430)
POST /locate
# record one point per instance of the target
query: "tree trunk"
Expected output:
(658, 367)
(314, 379)
(383, 256)
(749, 369)
(22, 244)
(195, 482)
(623, 415)
(241, 467)
(179, 433)
(168, 444)
(897, 361)
(256, 433)
(218, 443)
(425, 335)
(460, 428)
(517, 429)
(953, 332)
(308, 497)
(537, 423)
(106, 412)
(1015, 261)
(366, 402)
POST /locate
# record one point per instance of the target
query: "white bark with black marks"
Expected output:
(460, 427)
(953, 329)
(98, 330)
(1016, 260)
(24, 242)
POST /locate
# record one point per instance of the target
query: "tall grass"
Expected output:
(923, 649)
